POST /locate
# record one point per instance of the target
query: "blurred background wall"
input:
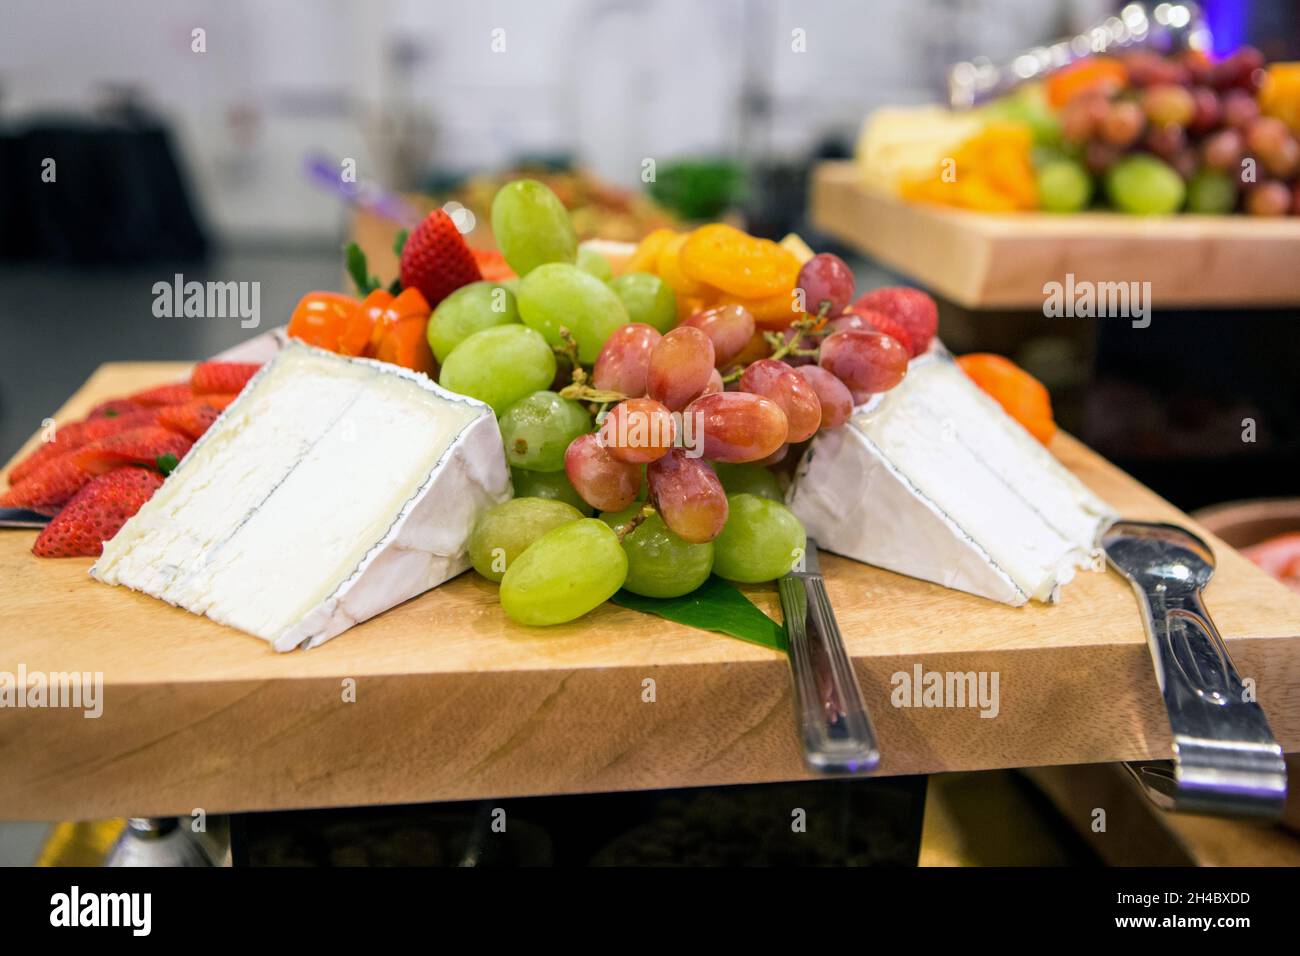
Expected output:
(406, 87)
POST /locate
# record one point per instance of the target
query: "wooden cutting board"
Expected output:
(453, 701)
(986, 260)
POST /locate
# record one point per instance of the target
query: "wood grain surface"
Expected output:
(454, 701)
(981, 260)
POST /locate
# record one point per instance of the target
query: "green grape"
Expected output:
(1064, 186)
(591, 261)
(1211, 192)
(503, 533)
(738, 479)
(564, 574)
(471, 308)
(554, 485)
(760, 541)
(648, 299)
(499, 365)
(660, 564)
(532, 226)
(1143, 185)
(559, 295)
(537, 429)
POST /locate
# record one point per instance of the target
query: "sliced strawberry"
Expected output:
(96, 513)
(115, 408)
(135, 446)
(163, 395)
(191, 419)
(221, 377)
(74, 435)
(49, 487)
(436, 260)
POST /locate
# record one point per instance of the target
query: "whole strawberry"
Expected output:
(911, 308)
(436, 260)
(96, 513)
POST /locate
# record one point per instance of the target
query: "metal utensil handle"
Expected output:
(1226, 759)
(833, 723)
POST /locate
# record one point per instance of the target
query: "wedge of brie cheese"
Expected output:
(331, 490)
(934, 480)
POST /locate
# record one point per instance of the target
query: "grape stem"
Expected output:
(585, 393)
(569, 350)
(809, 325)
(634, 522)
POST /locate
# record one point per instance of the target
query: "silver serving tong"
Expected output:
(833, 724)
(1226, 760)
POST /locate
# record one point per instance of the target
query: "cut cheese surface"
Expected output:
(332, 489)
(934, 480)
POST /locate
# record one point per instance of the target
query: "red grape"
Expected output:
(715, 384)
(1222, 150)
(1208, 113)
(1239, 108)
(1238, 70)
(1122, 124)
(1081, 117)
(624, 362)
(1268, 198)
(1167, 141)
(798, 399)
(864, 361)
(875, 321)
(1099, 157)
(738, 426)
(835, 398)
(1270, 139)
(1168, 105)
(729, 328)
(776, 457)
(1148, 68)
(681, 365)
(638, 430)
(688, 496)
(827, 284)
(604, 482)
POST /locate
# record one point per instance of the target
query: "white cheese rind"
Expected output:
(331, 490)
(935, 481)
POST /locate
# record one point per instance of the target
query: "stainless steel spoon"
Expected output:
(1226, 760)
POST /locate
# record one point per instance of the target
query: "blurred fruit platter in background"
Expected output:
(1138, 132)
(1136, 167)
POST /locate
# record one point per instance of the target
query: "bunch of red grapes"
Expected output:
(1197, 116)
(697, 379)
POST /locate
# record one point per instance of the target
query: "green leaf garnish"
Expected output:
(395, 287)
(356, 265)
(166, 463)
(110, 413)
(399, 243)
(714, 606)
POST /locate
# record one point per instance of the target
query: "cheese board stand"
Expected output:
(443, 698)
(1002, 261)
